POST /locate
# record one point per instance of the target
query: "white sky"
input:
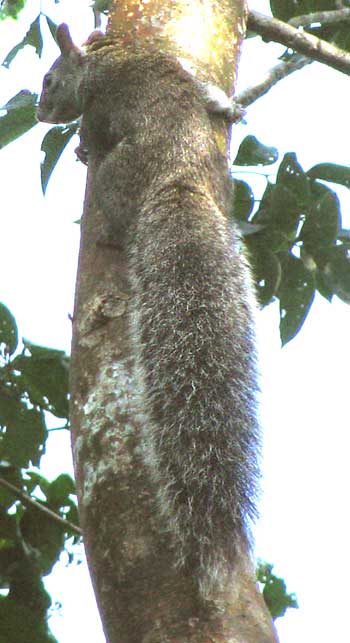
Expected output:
(304, 528)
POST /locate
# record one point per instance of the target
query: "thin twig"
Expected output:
(277, 73)
(30, 502)
(299, 40)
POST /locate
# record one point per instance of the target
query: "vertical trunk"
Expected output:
(141, 595)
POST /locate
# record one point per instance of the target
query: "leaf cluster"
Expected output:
(11, 8)
(294, 234)
(20, 110)
(32, 383)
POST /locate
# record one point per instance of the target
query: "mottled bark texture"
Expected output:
(141, 595)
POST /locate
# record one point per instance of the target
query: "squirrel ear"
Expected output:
(94, 36)
(64, 39)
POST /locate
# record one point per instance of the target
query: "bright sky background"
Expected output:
(304, 527)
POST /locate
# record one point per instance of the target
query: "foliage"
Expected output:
(11, 8)
(33, 37)
(53, 145)
(33, 382)
(295, 235)
(20, 117)
(102, 5)
(274, 591)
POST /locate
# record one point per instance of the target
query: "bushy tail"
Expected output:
(195, 335)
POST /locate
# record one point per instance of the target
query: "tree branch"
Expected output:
(322, 17)
(30, 502)
(299, 40)
(277, 73)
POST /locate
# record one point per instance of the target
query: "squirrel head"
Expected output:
(59, 101)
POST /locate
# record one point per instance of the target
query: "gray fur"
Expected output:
(163, 186)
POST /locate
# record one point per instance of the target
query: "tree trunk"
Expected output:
(141, 595)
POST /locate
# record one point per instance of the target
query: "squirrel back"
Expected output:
(163, 183)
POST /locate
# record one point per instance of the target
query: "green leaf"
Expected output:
(336, 271)
(24, 438)
(45, 375)
(8, 529)
(10, 407)
(11, 8)
(275, 592)
(52, 26)
(286, 9)
(102, 5)
(7, 498)
(252, 152)
(266, 268)
(296, 294)
(283, 205)
(18, 624)
(8, 330)
(323, 287)
(33, 37)
(338, 33)
(243, 201)
(44, 534)
(53, 144)
(20, 117)
(36, 479)
(322, 223)
(262, 215)
(331, 172)
(9, 554)
(285, 213)
(60, 489)
(23, 613)
(292, 176)
(43, 352)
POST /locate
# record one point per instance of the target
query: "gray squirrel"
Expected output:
(163, 186)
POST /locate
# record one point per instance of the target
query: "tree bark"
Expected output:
(141, 595)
